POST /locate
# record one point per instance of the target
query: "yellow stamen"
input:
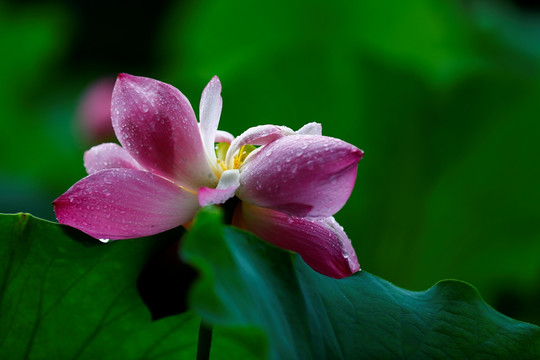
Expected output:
(221, 151)
(242, 154)
(221, 164)
(239, 157)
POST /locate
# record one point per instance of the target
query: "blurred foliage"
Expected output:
(441, 95)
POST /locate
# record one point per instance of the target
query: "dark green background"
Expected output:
(443, 97)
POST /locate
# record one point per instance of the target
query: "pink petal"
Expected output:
(155, 123)
(108, 156)
(258, 135)
(302, 175)
(209, 113)
(228, 183)
(124, 203)
(322, 243)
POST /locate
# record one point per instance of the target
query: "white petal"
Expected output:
(229, 178)
(226, 189)
(209, 113)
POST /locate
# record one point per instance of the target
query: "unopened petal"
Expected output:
(209, 113)
(108, 156)
(155, 123)
(124, 203)
(302, 175)
(258, 135)
(224, 136)
(322, 243)
(226, 189)
(311, 128)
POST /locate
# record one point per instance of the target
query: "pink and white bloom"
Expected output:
(289, 183)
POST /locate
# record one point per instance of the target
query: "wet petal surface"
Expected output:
(155, 123)
(108, 156)
(322, 243)
(302, 175)
(125, 203)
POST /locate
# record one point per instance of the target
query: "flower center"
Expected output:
(239, 157)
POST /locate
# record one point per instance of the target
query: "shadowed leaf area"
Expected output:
(64, 295)
(248, 283)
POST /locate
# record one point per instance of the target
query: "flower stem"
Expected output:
(205, 329)
(205, 340)
(229, 207)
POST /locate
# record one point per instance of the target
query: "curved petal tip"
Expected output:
(322, 243)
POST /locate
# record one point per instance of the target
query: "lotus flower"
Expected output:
(94, 111)
(289, 183)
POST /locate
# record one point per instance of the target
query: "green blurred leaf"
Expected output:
(444, 107)
(62, 296)
(248, 284)
(39, 157)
